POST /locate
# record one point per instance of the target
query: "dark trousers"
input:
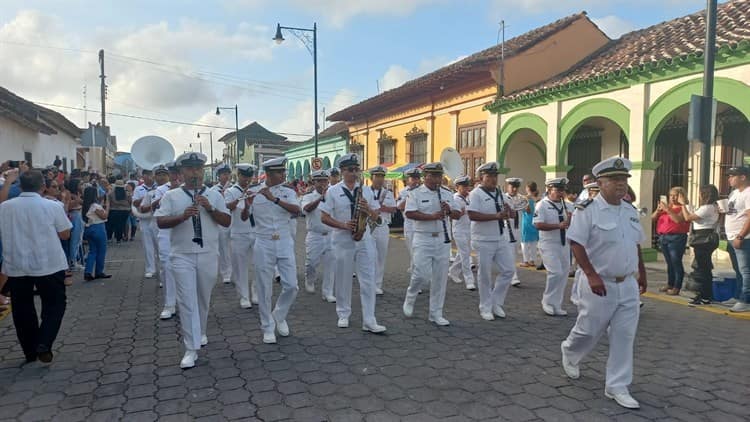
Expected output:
(33, 336)
(702, 266)
(117, 220)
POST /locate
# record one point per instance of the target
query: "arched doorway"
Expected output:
(326, 163)
(298, 170)
(596, 138)
(525, 155)
(305, 170)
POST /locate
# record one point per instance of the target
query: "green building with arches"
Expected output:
(333, 142)
(631, 98)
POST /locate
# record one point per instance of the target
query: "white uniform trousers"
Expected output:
(557, 261)
(493, 253)
(618, 311)
(409, 237)
(225, 254)
(242, 253)
(149, 232)
(430, 267)
(529, 251)
(349, 255)
(195, 278)
(462, 264)
(269, 254)
(165, 270)
(318, 253)
(381, 235)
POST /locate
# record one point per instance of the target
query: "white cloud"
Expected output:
(614, 26)
(500, 8)
(300, 120)
(394, 77)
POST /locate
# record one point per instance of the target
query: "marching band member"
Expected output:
(462, 235)
(334, 176)
(552, 218)
(194, 214)
(429, 206)
(488, 212)
(381, 233)
(241, 231)
(224, 172)
(166, 276)
(605, 235)
(272, 205)
(317, 241)
(591, 189)
(511, 189)
(147, 226)
(413, 179)
(339, 211)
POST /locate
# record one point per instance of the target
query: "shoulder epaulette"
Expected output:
(584, 204)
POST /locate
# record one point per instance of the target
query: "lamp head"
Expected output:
(278, 38)
(199, 135)
(218, 111)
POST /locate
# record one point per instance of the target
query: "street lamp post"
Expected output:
(236, 127)
(312, 47)
(210, 143)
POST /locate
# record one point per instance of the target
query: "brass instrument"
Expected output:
(362, 217)
(518, 202)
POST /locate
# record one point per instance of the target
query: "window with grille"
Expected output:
(416, 140)
(386, 149)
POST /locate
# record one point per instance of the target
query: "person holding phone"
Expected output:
(95, 215)
(672, 228)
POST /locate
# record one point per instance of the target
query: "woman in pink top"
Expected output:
(672, 229)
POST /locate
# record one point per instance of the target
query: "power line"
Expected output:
(132, 116)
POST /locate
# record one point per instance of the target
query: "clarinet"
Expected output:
(447, 238)
(561, 216)
(507, 222)
(197, 229)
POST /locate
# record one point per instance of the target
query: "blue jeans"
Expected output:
(673, 247)
(96, 235)
(741, 264)
(76, 235)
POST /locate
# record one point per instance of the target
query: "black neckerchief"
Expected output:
(498, 207)
(188, 192)
(252, 219)
(351, 196)
(560, 216)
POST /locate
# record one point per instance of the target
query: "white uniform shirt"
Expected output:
(610, 234)
(312, 219)
(480, 201)
(238, 226)
(738, 211)
(384, 197)
(425, 200)
(160, 191)
(402, 196)
(271, 219)
(144, 193)
(29, 225)
(174, 203)
(339, 206)
(549, 212)
(463, 224)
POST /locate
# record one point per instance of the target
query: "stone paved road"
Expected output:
(116, 360)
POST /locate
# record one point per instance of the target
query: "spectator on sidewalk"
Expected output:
(737, 227)
(31, 228)
(95, 215)
(704, 241)
(672, 230)
(119, 204)
(74, 213)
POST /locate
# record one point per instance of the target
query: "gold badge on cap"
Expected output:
(619, 164)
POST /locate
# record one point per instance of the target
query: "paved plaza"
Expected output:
(115, 360)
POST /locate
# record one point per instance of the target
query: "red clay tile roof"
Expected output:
(665, 42)
(461, 70)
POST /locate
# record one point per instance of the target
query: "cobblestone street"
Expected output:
(114, 359)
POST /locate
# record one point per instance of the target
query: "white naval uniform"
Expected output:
(242, 238)
(273, 248)
(462, 238)
(147, 226)
(349, 254)
(194, 267)
(610, 234)
(429, 251)
(408, 224)
(511, 225)
(491, 241)
(225, 250)
(318, 250)
(165, 267)
(381, 234)
(555, 255)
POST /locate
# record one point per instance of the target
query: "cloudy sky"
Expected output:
(178, 60)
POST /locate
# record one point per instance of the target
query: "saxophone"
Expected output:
(359, 216)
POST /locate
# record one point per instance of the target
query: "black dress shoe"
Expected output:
(102, 275)
(88, 277)
(45, 356)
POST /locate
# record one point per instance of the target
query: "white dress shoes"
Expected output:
(571, 370)
(167, 313)
(227, 280)
(204, 340)
(498, 311)
(549, 310)
(471, 286)
(245, 304)
(281, 327)
(149, 275)
(515, 282)
(269, 338)
(378, 291)
(343, 323)
(624, 399)
(329, 299)
(309, 287)
(560, 312)
(408, 309)
(440, 321)
(188, 361)
(373, 327)
(487, 316)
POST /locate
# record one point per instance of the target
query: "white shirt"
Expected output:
(708, 216)
(463, 224)
(610, 234)
(312, 219)
(92, 217)
(402, 196)
(174, 203)
(29, 227)
(738, 211)
(481, 202)
(549, 212)
(384, 197)
(238, 227)
(271, 219)
(425, 200)
(339, 206)
(144, 193)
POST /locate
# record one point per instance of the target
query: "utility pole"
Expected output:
(103, 87)
(707, 111)
(85, 108)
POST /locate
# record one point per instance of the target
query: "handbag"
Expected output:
(703, 237)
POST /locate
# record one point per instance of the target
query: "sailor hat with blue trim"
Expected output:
(349, 160)
(557, 182)
(319, 175)
(462, 180)
(275, 164)
(489, 168)
(378, 170)
(191, 159)
(245, 169)
(613, 166)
